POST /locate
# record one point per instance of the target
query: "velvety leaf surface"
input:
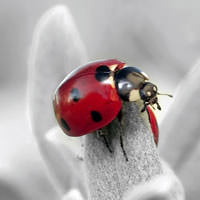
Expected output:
(162, 187)
(109, 174)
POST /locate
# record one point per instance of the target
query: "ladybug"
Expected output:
(87, 99)
(91, 96)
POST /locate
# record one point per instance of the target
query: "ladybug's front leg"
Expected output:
(121, 138)
(145, 106)
(122, 146)
(105, 140)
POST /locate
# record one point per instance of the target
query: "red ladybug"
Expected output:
(91, 96)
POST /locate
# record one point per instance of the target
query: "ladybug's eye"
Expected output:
(155, 89)
(148, 93)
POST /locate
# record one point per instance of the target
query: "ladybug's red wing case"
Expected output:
(88, 100)
(154, 124)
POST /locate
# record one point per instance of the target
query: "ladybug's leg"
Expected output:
(120, 135)
(145, 105)
(107, 143)
(122, 146)
(158, 106)
(101, 134)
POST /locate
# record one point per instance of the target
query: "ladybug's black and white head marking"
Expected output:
(132, 84)
(148, 93)
(128, 81)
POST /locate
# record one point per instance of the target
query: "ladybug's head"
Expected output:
(132, 84)
(128, 81)
(148, 93)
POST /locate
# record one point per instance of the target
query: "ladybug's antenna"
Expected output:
(169, 95)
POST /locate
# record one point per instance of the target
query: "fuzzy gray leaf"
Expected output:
(110, 175)
(162, 187)
(56, 49)
(180, 133)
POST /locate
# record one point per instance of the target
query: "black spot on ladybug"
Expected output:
(96, 116)
(64, 124)
(102, 73)
(75, 94)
